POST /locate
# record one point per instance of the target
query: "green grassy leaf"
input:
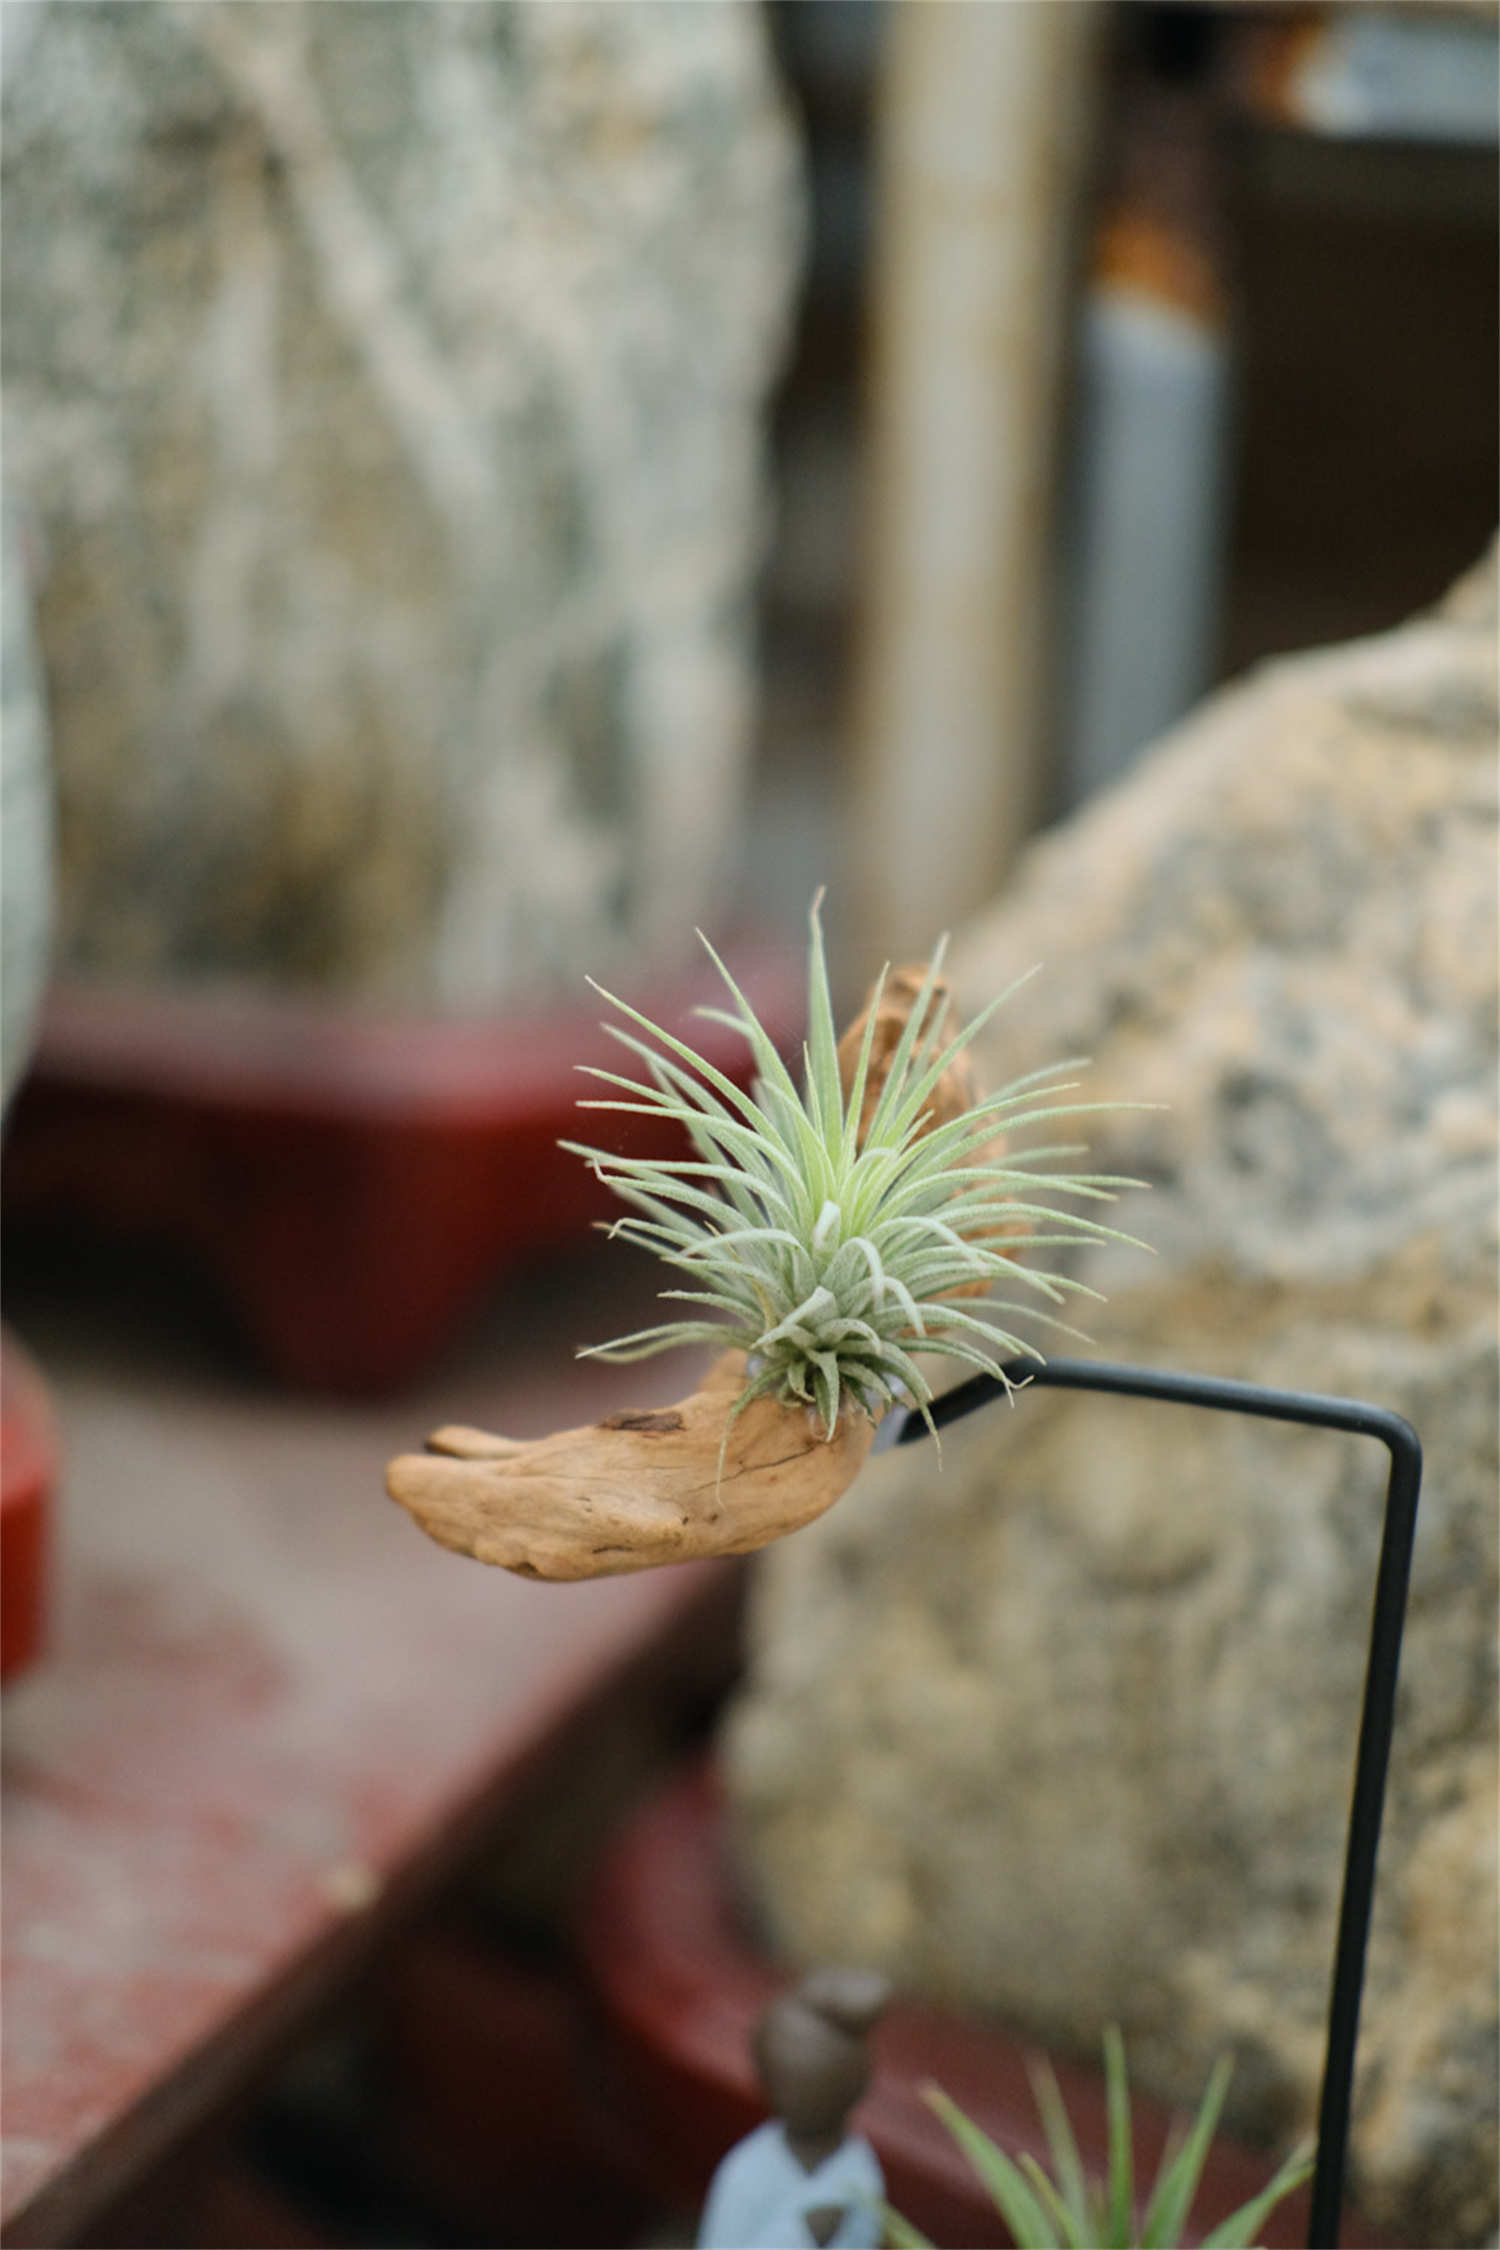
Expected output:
(1120, 2191)
(1016, 2201)
(1182, 2168)
(900, 2233)
(1241, 2227)
(1064, 2213)
(1063, 2147)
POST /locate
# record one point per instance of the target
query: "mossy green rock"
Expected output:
(1064, 1730)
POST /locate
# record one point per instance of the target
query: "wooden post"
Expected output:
(981, 132)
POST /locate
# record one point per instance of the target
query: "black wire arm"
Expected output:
(1377, 1712)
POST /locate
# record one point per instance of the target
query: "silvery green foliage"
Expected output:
(826, 1255)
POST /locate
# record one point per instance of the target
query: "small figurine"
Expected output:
(803, 2178)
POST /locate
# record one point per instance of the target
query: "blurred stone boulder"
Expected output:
(385, 385)
(1064, 1728)
(25, 818)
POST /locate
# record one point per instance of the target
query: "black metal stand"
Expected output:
(1377, 1714)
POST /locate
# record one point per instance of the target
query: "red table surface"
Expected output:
(269, 1713)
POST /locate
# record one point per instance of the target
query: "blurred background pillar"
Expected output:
(982, 147)
(1147, 506)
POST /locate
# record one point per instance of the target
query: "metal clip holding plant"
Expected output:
(835, 1234)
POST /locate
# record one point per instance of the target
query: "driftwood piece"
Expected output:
(662, 1484)
(636, 1489)
(957, 1089)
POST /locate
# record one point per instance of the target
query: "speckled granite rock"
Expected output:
(1066, 1730)
(386, 385)
(25, 820)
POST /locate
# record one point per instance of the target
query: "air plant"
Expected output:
(836, 1231)
(835, 1236)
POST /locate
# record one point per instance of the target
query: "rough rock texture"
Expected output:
(1066, 1729)
(25, 819)
(385, 382)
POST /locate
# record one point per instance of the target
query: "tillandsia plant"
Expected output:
(1066, 2211)
(836, 1228)
(836, 1233)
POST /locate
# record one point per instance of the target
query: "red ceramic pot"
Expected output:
(28, 1475)
(353, 1183)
